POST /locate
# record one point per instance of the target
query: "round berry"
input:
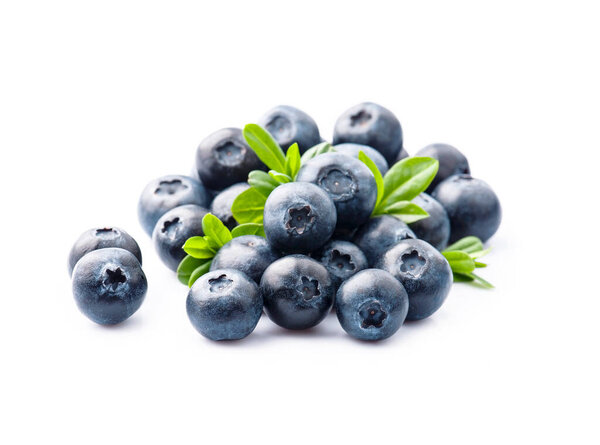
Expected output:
(250, 254)
(379, 234)
(435, 229)
(452, 162)
(221, 205)
(288, 125)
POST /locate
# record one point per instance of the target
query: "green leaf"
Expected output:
(468, 244)
(198, 272)
(248, 229)
(199, 247)
(460, 278)
(479, 265)
(460, 262)
(292, 161)
(262, 182)
(281, 178)
(248, 206)
(214, 228)
(408, 178)
(319, 149)
(378, 178)
(265, 147)
(480, 253)
(187, 266)
(482, 282)
(407, 211)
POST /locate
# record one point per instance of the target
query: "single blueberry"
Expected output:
(472, 206)
(224, 158)
(371, 305)
(288, 125)
(166, 193)
(109, 285)
(424, 273)
(452, 162)
(224, 304)
(342, 259)
(172, 231)
(373, 125)
(298, 292)
(401, 155)
(221, 205)
(354, 149)
(348, 182)
(298, 217)
(435, 229)
(250, 254)
(379, 234)
(101, 238)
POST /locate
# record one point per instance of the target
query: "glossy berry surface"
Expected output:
(221, 205)
(354, 149)
(298, 217)
(223, 158)
(166, 193)
(298, 292)
(342, 259)
(379, 234)
(101, 238)
(435, 229)
(472, 206)
(348, 182)
(371, 305)
(250, 254)
(424, 273)
(224, 304)
(109, 285)
(452, 162)
(172, 231)
(288, 125)
(373, 125)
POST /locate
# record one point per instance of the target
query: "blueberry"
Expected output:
(353, 150)
(373, 125)
(379, 234)
(298, 217)
(434, 229)
(172, 231)
(424, 273)
(250, 254)
(166, 193)
(298, 292)
(221, 205)
(223, 159)
(372, 305)
(452, 162)
(472, 206)
(224, 304)
(288, 125)
(348, 181)
(109, 285)
(402, 154)
(342, 259)
(101, 238)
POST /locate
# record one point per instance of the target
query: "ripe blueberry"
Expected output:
(452, 162)
(221, 205)
(342, 259)
(434, 229)
(402, 154)
(379, 234)
(354, 149)
(288, 125)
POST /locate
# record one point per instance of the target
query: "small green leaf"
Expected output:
(460, 262)
(187, 266)
(482, 282)
(407, 211)
(281, 178)
(198, 272)
(292, 161)
(199, 247)
(480, 253)
(248, 206)
(319, 149)
(460, 278)
(262, 182)
(248, 229)
(468, 244)
(214, 228)
(265, 147)
(408, 178)
(378, 178)
(479, 265)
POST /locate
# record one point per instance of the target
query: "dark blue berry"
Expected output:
(342, 259)
(354, 149)
(221, 205)
(452, 162)
(379, 234)
(435, 229)
(288, 125)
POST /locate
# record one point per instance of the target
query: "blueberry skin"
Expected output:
(373, 125)
(401, 155)
(342, 259)
(165, 193)
(472, 206)
(172, 231)
(223, 159)
(354, 149)
(221, 205)
(348, 181)
(452, 162)
(379, 234)
(436, 228)
(250, 254)
(109, 285)
(224, 304)
(424, 273)
(101, 238)
(298, 217)
(288, 125)
(298, 292)
(372, 305)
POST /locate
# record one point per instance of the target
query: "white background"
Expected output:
(97, 99)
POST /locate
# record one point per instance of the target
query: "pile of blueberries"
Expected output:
(321, 248)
